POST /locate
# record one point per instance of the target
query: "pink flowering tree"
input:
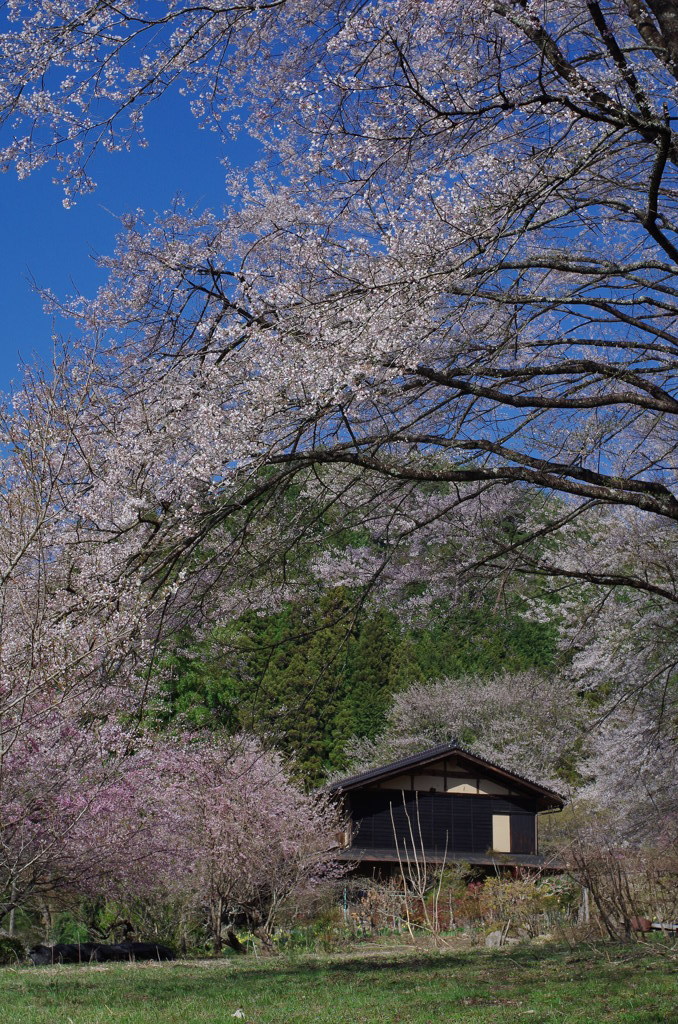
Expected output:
(254, 847)
(79, 813)
(70, 668)
(89, 809)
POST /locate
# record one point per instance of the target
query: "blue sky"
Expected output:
(42, 240)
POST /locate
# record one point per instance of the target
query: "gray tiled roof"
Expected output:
(432, 754)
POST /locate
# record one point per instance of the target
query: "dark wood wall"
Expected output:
(460, 823)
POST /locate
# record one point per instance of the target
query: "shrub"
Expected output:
(12, 950)
(526, 902)
(627, 885)
(67, 928)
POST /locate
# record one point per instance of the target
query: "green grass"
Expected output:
(581, 986)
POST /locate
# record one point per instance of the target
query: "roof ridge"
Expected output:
(430, 754)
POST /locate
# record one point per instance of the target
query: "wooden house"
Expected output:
(443, 804)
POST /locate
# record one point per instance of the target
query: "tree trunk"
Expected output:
(233, 942)
(47, 920)
(266, 938)
(216, 912)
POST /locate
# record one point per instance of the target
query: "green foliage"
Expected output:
(309, 677)
(523, 900)
(199, 685)
(26, 921)
(12, 950)
(369, 679)
(529, 905)
(67, 928)
(297, 698)
(326, 933)
(164, 919)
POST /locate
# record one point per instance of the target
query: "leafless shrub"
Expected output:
(630, 889)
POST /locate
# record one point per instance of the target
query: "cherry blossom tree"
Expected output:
(461, 275)
(633, 771)
(253, 846)
(90, 809)
(532, 725)
(69, 671)
(79, 813)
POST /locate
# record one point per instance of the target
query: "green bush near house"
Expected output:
(12, 950)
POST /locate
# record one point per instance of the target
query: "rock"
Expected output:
(640, 924)
(497, 939)
(89, 952)
(137, 951)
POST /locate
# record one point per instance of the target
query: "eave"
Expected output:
(549, 797)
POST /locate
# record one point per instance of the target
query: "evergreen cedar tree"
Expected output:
(317, 677)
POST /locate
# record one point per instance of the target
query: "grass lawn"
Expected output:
(583, 986)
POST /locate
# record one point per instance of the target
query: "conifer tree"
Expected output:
(369, 685)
